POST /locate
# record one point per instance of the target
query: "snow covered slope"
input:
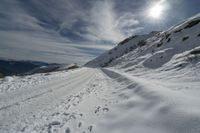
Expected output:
(159, 82)
(157, 48)
(151, 84)
(124, 47)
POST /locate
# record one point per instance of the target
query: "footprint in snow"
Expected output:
(90, 128)
(24, 128)
(105, 109)
(67, 107)
(66, 114)
(72, 117)
(67, 130)
(100, 109)
(79, 124)
(97, 109)
(56, 114)
(76, 100)
(53, 126)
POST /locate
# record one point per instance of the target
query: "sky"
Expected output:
(76, 31)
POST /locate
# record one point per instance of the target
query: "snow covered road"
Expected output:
(99, 100)
(72, 103)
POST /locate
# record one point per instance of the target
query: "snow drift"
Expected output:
(158, 75)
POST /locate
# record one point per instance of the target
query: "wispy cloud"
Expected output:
(61, 30)
(71, 30)
(30, 46)
(103, 22)
(106, 24)
(26, 35)
(129, 24)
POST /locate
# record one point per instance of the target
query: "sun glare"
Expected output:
(156, 11)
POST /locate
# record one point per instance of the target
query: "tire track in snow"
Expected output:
(36, 92)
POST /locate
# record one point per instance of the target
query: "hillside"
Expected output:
(14, 67)
(11, 67)
(146, 84)
(157, 48)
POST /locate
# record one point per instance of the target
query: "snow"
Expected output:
(8, 79)
(70, 101)
(148, 88)
(154, 105)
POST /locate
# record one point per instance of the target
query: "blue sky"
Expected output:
(68, 31)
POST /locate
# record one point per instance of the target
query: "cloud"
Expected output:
(129, 24)
(30, 46)
(65, 30)
(106, 25)
(103, 22)
(15, 18)
(27, 34)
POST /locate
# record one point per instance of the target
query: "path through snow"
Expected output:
(100, 100)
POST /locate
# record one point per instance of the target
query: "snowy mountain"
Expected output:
(21, 68)
(14, 67)
(158, 47)
(11, 67)
(159, 78)
(146, 84)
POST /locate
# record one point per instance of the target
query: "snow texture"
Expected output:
(146, 84)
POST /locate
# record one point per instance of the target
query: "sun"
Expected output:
(156, 11)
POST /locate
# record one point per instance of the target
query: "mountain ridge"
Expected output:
(154, 40)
